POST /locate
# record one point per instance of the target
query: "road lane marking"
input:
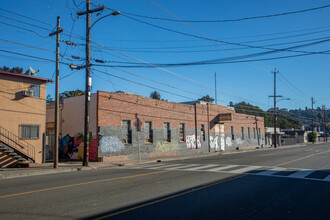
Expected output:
(246, 169)
(85, 183)
(201, 167)
(312, 155)
(222, 168)
(169, 197)
(327, 178)
(301, 174)
(265, 155)
(271, 171)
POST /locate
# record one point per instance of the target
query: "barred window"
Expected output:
(126, 131)
(254, 133)
(249, 135)
(242, 129)
(29, 131)
(203, 131)
(182, 132)
(167, 132)
(35, 90)
(232, 133)
(148, 132)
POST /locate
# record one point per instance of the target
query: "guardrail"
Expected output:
(16, 143)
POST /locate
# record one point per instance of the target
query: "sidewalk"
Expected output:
(71, 166)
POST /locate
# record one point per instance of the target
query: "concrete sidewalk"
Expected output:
(71, 166)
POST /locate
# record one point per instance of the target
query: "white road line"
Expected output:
(164, 166)
(157, 165)
(301, 174)
(183, 167)
(327, 178)
(202, 167)
(271, 171)
(245, 169)
(222, 168)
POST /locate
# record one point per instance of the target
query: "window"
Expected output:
(249, 136)
(148, 132)
(203, 131)
(258, 132)
(232, 132)
(126, 131)
(182, 135)
(254, 133)
(242, 129)
(35, 90)
(167, 132)
(30, 131)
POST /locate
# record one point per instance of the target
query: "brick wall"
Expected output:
(113, 108)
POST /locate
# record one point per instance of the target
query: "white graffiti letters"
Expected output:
(191, 141)
(214, 142)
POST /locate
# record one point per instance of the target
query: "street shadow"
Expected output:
(291, 175)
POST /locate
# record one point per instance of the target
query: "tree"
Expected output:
(72, 93)
(14, 70)
(49, 99)
(231, 104)
(207, 98)
(312, 136)
(155, 95)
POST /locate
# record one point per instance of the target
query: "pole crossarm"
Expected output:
(56, 32)
(90, 11)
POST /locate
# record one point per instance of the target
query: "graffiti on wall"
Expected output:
(72, 147)
(163, 147)
(239, 141)
(191, 141)
(222, 141)
(110, 145)
(214, 142)
(228, 142)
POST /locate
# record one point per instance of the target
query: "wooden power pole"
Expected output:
(57, 33)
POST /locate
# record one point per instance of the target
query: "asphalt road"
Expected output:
(287, 183)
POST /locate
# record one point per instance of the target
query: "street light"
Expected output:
(114, 13)
(275, 118)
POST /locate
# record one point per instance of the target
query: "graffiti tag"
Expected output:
(191, 141)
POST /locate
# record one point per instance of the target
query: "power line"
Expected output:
(209, 39)
(231, 20)
(141, 84)
(33, 19)
(35, 57)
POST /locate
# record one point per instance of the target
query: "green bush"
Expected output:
(312, 136)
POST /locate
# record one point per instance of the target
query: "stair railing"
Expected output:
(16, 143)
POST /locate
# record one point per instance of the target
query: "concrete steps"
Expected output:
(9, 158)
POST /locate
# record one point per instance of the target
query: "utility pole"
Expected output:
(256, 119)
(215, 86)
(324, 125)
(313, 102)
(88, 76)
(57, 32)
(275, 134)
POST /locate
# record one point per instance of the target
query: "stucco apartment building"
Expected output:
(131, 126)
(22, 118)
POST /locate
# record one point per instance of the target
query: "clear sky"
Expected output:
(126, 41)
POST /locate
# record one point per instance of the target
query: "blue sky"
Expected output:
(127, 40)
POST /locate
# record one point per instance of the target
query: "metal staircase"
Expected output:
(14, 151)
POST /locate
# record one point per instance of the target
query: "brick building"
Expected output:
(132, 126)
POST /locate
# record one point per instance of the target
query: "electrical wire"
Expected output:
(231, 20)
